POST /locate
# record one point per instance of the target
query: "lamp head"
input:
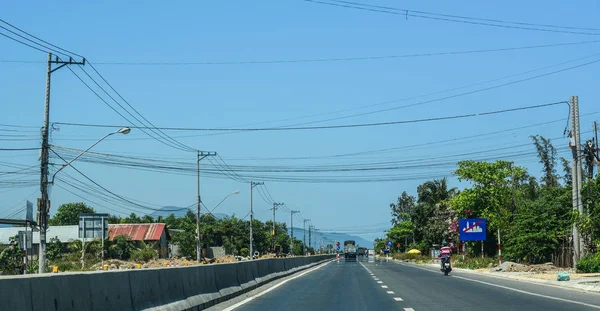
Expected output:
(124, 130)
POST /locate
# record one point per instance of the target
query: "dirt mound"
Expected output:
(510, 266)
(114, 264)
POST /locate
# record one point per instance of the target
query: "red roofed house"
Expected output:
(153, 233)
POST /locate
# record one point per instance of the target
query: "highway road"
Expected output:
(389, 285)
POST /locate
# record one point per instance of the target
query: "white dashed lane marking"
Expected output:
(389, 292)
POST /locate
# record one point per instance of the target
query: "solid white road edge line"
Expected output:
(514, 289)
(247, 300)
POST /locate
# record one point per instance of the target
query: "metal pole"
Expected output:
(103, 237)
(44, 172)
(198, 209)
(291, 232)
(251, 221)
(499, 248)
(273, 233)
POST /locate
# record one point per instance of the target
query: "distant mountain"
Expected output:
(333, 236)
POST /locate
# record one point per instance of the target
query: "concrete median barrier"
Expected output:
(110, 290)
(15, 293)
(200, 286)
(245, 275)
(68, 291)
(227, 280)
(174, 288)
(145, 289)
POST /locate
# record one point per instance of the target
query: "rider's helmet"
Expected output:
(444, 244)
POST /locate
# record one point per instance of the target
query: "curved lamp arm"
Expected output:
(124, 131)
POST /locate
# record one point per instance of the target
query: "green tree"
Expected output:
(121, 247)
(404, 209)
(547, 155)
(539, 226)
(433, 212)
(54, 249)
(68, 214)
(11, 258)
(491, 195)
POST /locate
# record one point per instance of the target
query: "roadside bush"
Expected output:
(244, 252)
(589, 264)
(473, 262)
(418, 258)
(143, 255)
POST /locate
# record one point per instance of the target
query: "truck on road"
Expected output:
(350, 250)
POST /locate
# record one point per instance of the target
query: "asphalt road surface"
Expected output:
(388, 285)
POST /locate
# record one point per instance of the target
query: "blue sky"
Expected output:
(238, 95)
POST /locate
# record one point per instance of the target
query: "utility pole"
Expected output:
(310, 235)
(252, 185)
(275, 206)
(292, 230)
(200, 155)
(44, 201)
(304, 243)
(596, 143)
(574, 144)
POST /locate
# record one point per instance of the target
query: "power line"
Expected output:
(333, 59)
(137, 112)
(467, 17)
(46, 42)
(407, 13)
(330, 126)
(115, 110)
(434, 93)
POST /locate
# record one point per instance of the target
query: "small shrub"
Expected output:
(245, 252)
(589, 264)
(143, 255)
(473, 262)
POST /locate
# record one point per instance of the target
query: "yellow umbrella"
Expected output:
(414, 251)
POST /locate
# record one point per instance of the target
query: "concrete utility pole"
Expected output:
(201, 155)
(576, 172)
(310, 235)
(275, 206)
(44, 201)
(252, 185)
(304, 243)
(292, 230)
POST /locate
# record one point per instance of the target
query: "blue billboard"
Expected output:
(472, 229)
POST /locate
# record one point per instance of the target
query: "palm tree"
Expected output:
(435, 192)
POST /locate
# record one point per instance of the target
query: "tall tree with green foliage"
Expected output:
(68, 214)
(491, 195)
(547, 155)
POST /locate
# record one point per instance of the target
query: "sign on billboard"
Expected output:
(93, 226)
(472, 229)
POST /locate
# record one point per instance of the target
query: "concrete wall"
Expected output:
(175, 288)
(216, 252)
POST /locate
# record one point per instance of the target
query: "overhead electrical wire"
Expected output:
(336, 59)
(164, 138)
(340, 126)
(408, 13)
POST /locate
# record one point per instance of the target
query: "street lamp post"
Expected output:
(42, 225)
(199, 244)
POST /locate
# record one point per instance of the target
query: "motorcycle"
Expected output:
(446, 266)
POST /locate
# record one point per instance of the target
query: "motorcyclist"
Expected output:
(445, 253)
